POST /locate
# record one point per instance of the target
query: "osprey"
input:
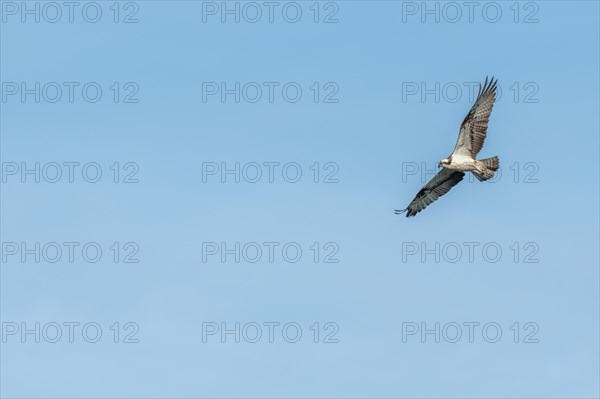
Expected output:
(463, 158)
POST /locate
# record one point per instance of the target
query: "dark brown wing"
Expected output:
(434, 189)
(474, 128)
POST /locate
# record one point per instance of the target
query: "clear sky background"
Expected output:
(544, 128)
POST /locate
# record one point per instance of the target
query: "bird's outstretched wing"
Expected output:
(434, 189)
(473, 129)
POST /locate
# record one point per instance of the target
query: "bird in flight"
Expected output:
(463, 159)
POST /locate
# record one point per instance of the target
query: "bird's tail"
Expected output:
(490, 165)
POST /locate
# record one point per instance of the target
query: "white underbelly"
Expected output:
(462, 159)
(460, 162)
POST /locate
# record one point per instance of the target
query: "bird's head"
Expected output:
(443, 162)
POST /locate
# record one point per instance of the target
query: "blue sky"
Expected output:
(363, 122)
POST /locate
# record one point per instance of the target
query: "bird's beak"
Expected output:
(439, 165)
